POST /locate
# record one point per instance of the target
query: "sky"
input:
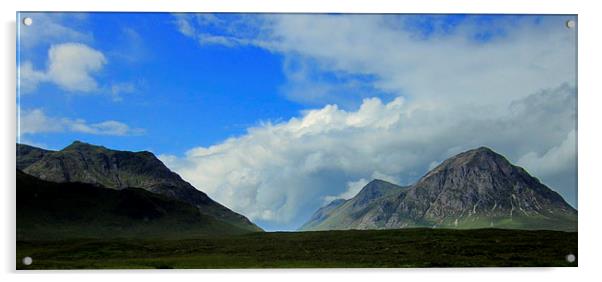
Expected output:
(275, 115)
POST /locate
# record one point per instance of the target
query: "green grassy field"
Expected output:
(330, 249)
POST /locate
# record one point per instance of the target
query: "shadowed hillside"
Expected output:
(49, 211)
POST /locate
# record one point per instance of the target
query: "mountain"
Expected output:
(97, 165)
(49, 210)
(355, 211)
(475, 189)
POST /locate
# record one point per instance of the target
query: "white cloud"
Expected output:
(29, 78)
(36, 121)
(70, 66)
(109, 127)
(555, 160)
(229, 30)
(441, 69)
(184, 26)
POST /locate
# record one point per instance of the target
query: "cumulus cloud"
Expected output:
(70, 66)
(36, 121)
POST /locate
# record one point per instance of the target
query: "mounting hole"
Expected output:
(570, 258)
(27, 21)
(27, 261)
(571, 24)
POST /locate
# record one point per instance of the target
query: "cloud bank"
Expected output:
(435, 59)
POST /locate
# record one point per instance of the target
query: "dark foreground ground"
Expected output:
(338, 249)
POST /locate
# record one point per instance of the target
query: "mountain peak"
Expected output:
(373, 190)
(88, 163)
(481, 182)
(83, 146)
(79, 145)
(482, 158)
(377, 185)
(378, 181)
(481, 152)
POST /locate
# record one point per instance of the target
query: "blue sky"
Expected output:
(209, 91)
(276, 114)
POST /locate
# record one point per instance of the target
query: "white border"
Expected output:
(589, 135)
(316, 6)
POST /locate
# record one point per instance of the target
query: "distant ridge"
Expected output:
(475, 189)
(97, 165)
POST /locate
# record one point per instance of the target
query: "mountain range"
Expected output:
(86, 191)
(474, 189)
(138, 176)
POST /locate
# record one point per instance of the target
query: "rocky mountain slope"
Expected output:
(97, 165)
(27, 155)
(475, 189)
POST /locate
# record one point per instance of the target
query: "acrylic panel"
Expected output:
(234, 140)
